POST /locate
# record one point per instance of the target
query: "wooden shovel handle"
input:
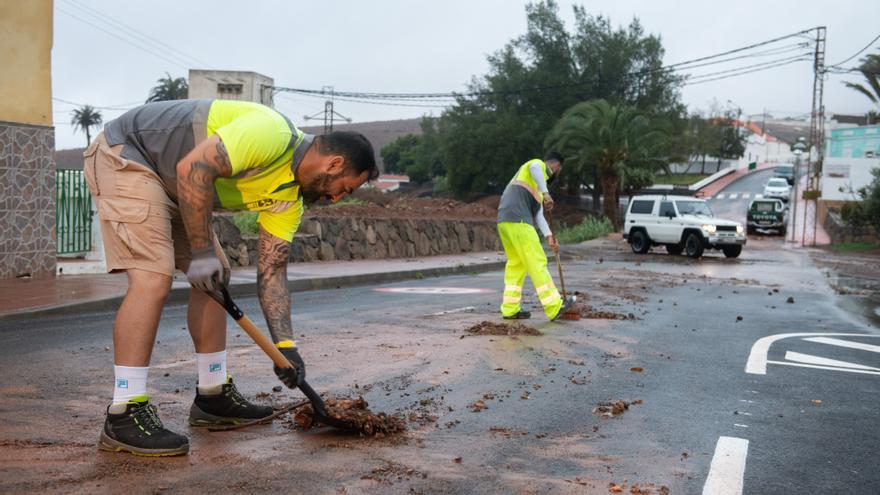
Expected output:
(248, 326)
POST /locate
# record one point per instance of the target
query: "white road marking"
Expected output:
(466, 309)
(741, 426)
(744, 413)
(819, 367)
(845, 343)
(433, 290)
(810, 359)
(719, 196)
(747, 401)
(733, 195)
(757, 362)
(746, 195)
(727, 468)
(758, 195)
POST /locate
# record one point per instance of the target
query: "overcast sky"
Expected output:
(420, 46)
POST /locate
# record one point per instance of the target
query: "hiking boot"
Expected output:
(138, 430)
(226, 407)
(522, 315)
(567, 304)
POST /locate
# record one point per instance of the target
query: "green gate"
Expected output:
(73, 212)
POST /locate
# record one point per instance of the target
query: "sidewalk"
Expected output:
(20, 298)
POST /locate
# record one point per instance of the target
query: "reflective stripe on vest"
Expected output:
(523, 178)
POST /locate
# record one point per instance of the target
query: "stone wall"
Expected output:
(327, 239)
(27, 200)
(840, 232)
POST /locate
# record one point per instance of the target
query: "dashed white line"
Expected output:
(746, 195)
(719, 196)
(733, 195)
(727, 468)
(758, 195)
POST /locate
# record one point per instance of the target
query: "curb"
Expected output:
(181, 294)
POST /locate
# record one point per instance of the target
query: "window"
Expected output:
(693, 208)
(642, 207)
(227, 88)
(777, 183)
(666, 209)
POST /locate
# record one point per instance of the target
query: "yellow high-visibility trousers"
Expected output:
(525, 255)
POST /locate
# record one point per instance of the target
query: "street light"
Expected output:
(798, 149)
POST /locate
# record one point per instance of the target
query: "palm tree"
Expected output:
(870, 68)
(616, 140)
(84, 118)
(169, 89)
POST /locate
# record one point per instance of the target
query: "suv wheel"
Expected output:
(732, 251)
(693, 245)
(638, 241)
(674, 248)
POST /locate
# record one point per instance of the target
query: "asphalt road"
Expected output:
(732, 202)
(803, 426)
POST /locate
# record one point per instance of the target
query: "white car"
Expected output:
(777, 187)
(681, 223)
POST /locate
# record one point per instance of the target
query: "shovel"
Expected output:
(570, 314)
(280, 361)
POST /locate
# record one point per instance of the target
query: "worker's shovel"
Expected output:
(280, 361)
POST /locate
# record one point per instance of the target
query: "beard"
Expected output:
(318, 189)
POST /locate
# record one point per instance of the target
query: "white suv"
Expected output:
(681, 223)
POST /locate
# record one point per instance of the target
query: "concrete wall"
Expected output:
(27, 140)
(26, 61)
(207, 84)
(327, 239)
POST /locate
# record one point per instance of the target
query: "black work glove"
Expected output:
(294, 375)
(206, 271)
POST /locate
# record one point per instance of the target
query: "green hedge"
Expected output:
(590, 228)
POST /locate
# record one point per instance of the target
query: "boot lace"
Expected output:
(148, 415)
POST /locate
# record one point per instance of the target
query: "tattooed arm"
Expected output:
(195, 188)
(273, 254)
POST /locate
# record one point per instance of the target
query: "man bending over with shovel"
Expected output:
(156, 173)
(521, 209)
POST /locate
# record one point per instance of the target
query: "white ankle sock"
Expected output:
(212, 370)
(130, 383)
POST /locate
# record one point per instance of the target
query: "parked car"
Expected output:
(681, 224)
(767, 214)
(785, 171)
(777, 187)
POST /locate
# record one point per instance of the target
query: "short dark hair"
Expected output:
(554, 155)
(354, 147)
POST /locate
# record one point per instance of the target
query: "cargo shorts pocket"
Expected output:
(135, 232)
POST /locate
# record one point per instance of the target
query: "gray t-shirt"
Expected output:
(160, 134)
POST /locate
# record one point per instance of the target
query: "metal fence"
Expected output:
(73, 212)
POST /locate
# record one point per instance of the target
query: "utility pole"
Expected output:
(329, 112)
(817, 139)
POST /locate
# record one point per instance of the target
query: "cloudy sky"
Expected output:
(110, 53)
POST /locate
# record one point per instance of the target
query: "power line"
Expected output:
(126, 40)
(123, 106)
(701, 81)
(768, 64)
(145, 38)
(688, 64)
(856, 54)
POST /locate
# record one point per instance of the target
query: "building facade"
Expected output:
(851, 153)
(27, 140)
(230, 85)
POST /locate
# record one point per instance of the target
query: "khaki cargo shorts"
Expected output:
(140, 224)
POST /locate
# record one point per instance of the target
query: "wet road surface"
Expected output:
(681, 366)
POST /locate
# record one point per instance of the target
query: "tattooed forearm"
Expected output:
(196, 174)
(272, 285)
